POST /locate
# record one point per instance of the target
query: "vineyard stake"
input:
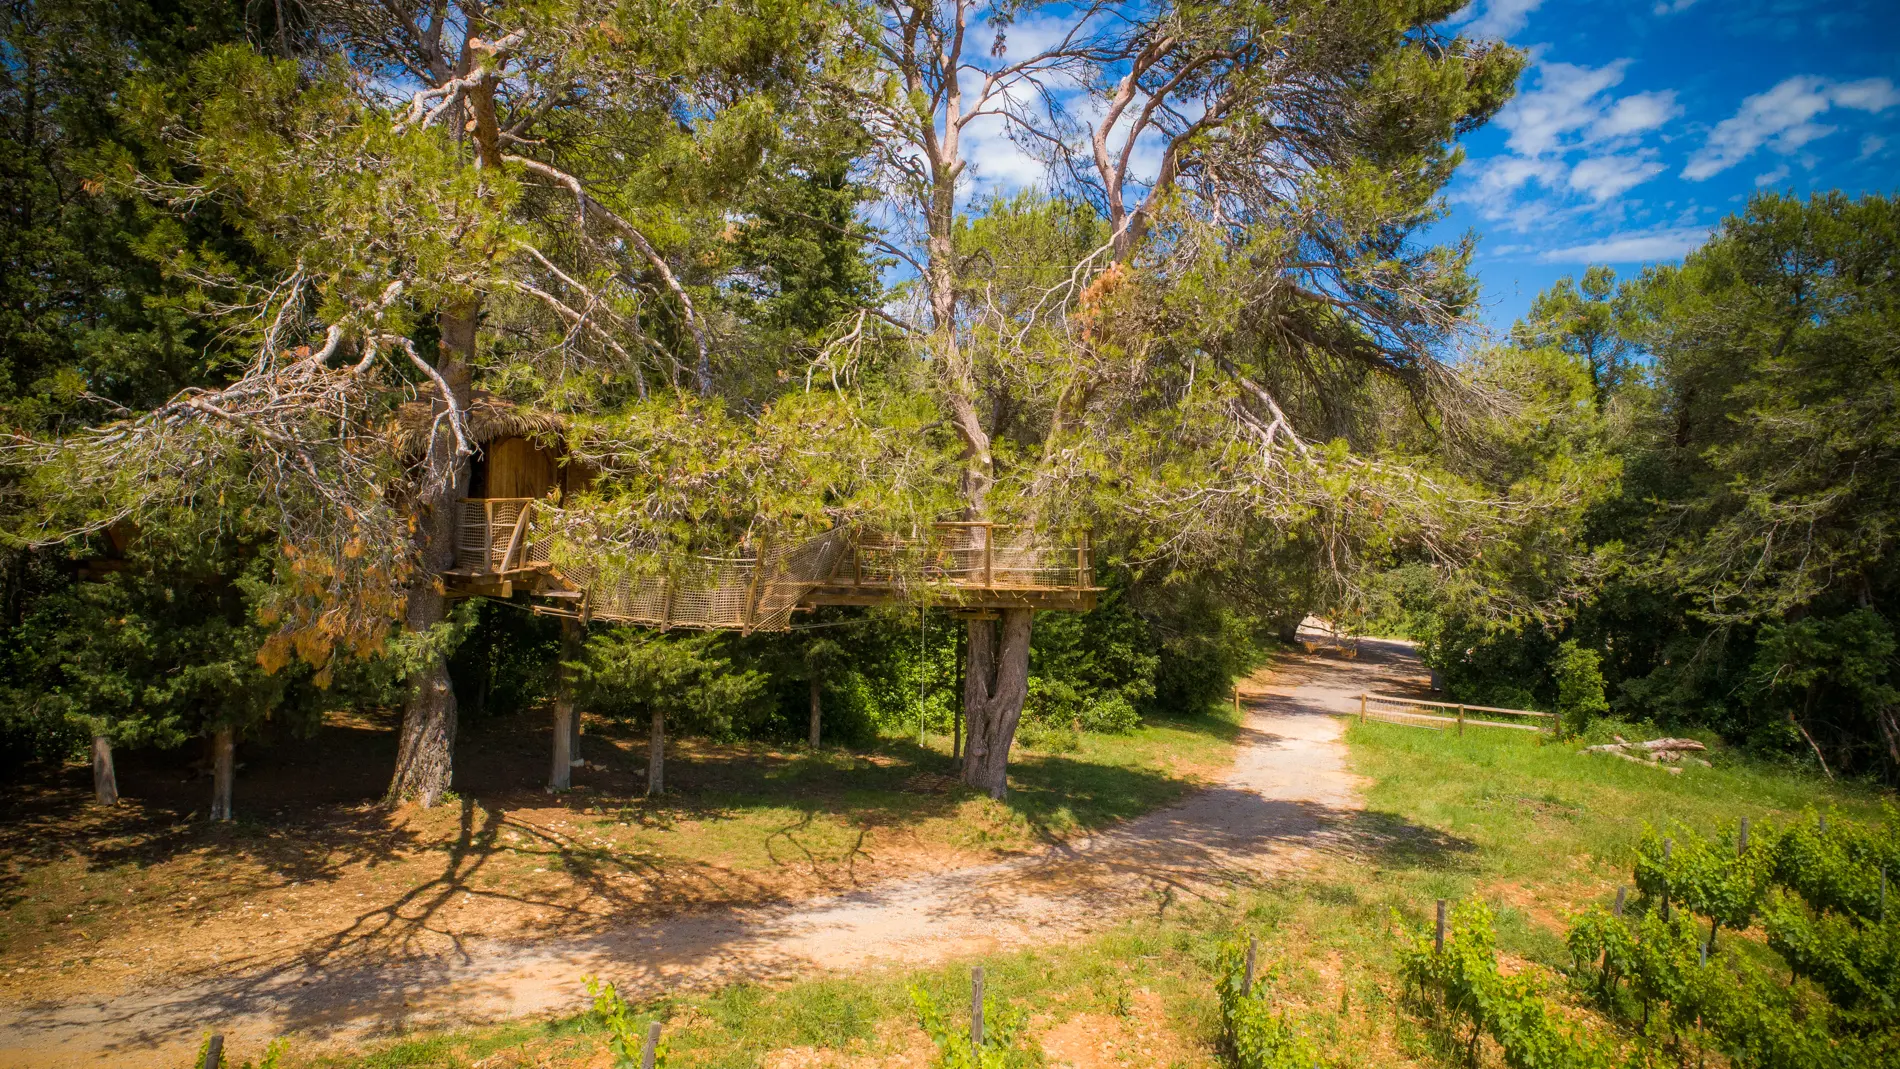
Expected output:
(976, 1008)
(1669, 847)
(1711, 946)
(651, 1052)
(214, 1051)
(1741, 844)
(1236, 699)
(1619, 901)
(1438, 940)
(1702, 953)
(1246, 984)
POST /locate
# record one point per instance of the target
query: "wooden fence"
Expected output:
(1370, 709)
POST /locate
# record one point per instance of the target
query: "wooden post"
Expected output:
(989, 538)
(651, 1051)
(752, 593)
(1236, 700)
(976, 1008)
(1246, 982)
(817, 688)
(1461, 720)
(1438, 939)
(1741, 842)
(1362, 708)
(488, 534)
(656, 754)
(223, 771)
(1669, 847)
(214, 1051)
(105, 780)
(561, 776)
(1618, 910)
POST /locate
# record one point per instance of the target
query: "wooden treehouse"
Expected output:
(500, 552)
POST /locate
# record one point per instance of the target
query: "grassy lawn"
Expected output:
(1535, 830)
(98, 900)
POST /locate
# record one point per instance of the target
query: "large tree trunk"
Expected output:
(995, 682)
(223, 771)
(656, 755)
(105, 781)
(817, 685)
(565, 718)
(425, 757)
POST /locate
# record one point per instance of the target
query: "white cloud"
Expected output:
(996, 161)
(1500, 18)
(1672, 7)
(1603, 177)
(1635, 114)
(1632, 247)
(1782, 120)
(1564, 101)
(1868, 94)
(1771, 177)
(1871, 145)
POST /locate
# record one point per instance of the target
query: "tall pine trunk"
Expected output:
(995, 683)
(223, 771)
(105, 781)
(566, 719)
(425, 756)
(656, 755)
(817, 686)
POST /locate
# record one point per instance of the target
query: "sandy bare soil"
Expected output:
(1288, 793)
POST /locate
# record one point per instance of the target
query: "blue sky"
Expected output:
(1640, 124)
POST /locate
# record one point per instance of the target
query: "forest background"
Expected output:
(1670, 497)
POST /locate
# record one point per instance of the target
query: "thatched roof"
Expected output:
(489, 418)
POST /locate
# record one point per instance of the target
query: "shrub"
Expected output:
(1002, 1046)
(1461, 985)
(1258, 1036)
(1579, 675)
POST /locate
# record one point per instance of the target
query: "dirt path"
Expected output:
(1288, 793)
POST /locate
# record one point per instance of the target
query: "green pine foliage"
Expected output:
(1737, 566)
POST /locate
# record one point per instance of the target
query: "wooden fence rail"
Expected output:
(1387, 715)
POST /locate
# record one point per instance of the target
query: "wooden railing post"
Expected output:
(488, 534)
(752, 591)
(1461, 720)
(989, 539)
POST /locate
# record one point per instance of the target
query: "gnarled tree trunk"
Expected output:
(105, 781)
(995, 682)
(425, 757)
(223, 771)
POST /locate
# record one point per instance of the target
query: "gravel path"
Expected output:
(1288, 794)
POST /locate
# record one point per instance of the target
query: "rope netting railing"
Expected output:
(497, 538)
